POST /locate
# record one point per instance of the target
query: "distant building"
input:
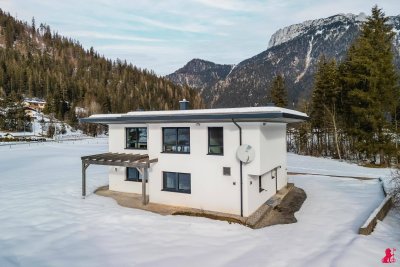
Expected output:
(9, 136)
(31, 112)
(35, 103)
(81, 112)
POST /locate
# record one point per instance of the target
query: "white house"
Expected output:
(198, 155)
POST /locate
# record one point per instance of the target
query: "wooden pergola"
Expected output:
(140, 161)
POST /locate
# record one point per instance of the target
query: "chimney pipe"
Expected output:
(183, 104)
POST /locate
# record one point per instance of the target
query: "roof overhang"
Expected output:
(240, 115)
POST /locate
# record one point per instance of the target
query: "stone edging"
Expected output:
(378, 214)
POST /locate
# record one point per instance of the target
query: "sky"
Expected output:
(164, 35)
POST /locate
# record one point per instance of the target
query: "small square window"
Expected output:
(226, 171)
(176, 140)
(133, 175)
(136, 138)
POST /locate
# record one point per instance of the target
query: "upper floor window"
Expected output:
(215, 141)
(136, 138)
(176, 140)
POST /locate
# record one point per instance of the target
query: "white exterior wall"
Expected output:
(270, 153)
(210, 189)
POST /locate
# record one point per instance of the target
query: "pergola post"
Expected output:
(84, 167)
(144, 179)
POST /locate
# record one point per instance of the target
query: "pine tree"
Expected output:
(278, 92)
(33, 27)
(370, 92)
(325, 95)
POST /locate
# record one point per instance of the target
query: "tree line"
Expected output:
(36, 62)
(355, 103)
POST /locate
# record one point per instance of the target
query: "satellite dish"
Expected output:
(245, 153)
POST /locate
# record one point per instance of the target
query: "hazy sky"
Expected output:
(163, 35)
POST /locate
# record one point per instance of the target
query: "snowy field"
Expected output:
(45, 222)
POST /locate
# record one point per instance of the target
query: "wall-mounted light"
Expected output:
(197, 123)
(115, 169)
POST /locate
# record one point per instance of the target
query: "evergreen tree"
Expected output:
(324, 118)
(369, 84)
(33, 27)
(278, 92)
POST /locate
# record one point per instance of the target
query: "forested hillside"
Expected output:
(36, 62)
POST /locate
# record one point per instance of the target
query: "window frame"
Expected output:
(176, 190)
(139, 179)
(137, 142)
(222, 146)
(176, 141)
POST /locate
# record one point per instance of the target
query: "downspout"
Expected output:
(241, 170)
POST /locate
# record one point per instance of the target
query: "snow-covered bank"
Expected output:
(332, 167)
(45, 222)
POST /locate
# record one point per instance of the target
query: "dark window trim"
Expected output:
(171, 152)
(208, 147)
(137, 130)
(260, 189)
(176, 141)
(177, 183)
(139, 180)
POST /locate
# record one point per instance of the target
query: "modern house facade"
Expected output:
(199, 164)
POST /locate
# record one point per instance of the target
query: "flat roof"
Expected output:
(247, 114)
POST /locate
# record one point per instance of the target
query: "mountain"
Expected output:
(292, 51)
(38, 62)
(201, 74)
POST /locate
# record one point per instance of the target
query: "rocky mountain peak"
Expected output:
(292, 52)
(290, 32)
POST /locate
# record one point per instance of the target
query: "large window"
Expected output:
(215, 140)
(132, 174)
(176, 140)
(136, 138)
(176, 182)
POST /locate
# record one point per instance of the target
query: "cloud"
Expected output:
(187, 27)
(231, 5)
(107, 36)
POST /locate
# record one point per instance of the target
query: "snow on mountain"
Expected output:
(293, 52)
(295, 30)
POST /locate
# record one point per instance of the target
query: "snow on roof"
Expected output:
(35, 100)
(247, 110)
(220, 114)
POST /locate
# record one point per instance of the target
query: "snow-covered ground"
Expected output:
(40, 123)
(45, 222)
